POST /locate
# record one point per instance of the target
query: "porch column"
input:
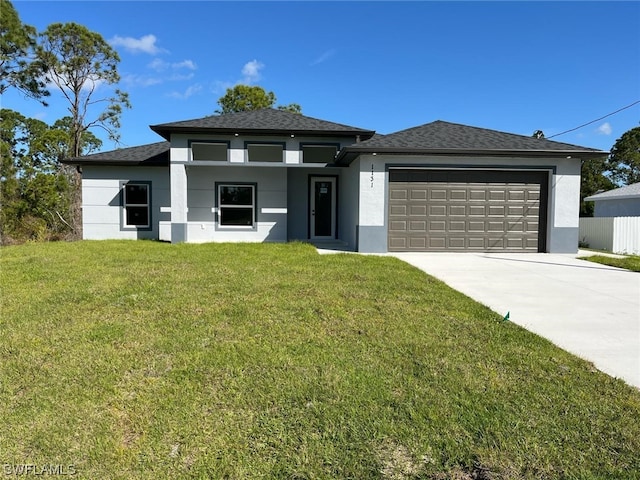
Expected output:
(178, 203)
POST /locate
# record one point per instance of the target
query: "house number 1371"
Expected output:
(372, 175)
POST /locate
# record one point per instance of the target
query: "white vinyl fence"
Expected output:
(616, 234)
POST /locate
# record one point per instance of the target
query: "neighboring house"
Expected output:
(272, 175)
(621, 202)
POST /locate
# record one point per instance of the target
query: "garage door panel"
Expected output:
(397, 243)
(398, 225)
(472, 210)
(418, 226)
(477, 210)
(458, 226)
(399, 194)
(418, 210)
(437, 243)
(437, 210)
(516, 226)
(418, 243)
(476, 243)
(515, 211)
(418, 194)
(496, 210)
(437, 194)
(479, 195)
(497, 195)
(477, 226)
(400, 210)
(457, 210)
(458, 194)
(438, 226)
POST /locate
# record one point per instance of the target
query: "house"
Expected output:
(276, 176)
(621, 202)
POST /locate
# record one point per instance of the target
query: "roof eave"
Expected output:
(596, 198)
(166, 132)
(348, 154)
(116, 163)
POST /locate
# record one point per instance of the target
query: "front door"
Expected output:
(322, 204)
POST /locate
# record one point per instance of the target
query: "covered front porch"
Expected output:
(258, 204)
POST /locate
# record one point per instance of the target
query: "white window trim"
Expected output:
(126, 205)
(220, 206)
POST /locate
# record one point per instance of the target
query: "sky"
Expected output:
(386, 66)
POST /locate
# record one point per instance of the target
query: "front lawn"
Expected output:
(147, 360)
(631, 262)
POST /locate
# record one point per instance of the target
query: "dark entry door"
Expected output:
(322, 205)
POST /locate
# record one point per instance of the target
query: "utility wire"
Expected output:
(596, 120)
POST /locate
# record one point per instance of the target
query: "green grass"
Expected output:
(145, 360)
(631, 262)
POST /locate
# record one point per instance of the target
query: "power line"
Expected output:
(596, 120)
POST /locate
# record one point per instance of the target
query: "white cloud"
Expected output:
(324, 57)
(160, 65)
(605, 129)
(90, 84)
(190, 91)
(188, 64)
(144, 44)
(251, 72)
(140, 80)
(221, 87)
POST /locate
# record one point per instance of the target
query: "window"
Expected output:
(319, 153)
(265, 152)
(136, 205)
(209, 151)
(236, 206)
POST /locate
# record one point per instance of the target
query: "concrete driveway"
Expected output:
(587, 309)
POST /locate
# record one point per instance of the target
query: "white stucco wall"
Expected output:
(101, 203)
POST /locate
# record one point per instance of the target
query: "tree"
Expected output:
(80, 63)
(292, 107)
(624, 159)
(592, 180)
(242, 98)
(18, 68)
(36, 188)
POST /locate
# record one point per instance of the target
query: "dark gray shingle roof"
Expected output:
(630, 191)
(445, 137)
(261, 122)
(152, 155)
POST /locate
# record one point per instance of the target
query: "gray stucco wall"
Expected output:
(348, 205)
(562, 209)
(101, 201)
(298, 179)
(626, 207)
(271, 203)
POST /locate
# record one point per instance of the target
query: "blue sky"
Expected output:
(386, 66)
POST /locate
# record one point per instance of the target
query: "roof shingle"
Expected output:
(630, 191)
(445, 137)
(265, 121)
(152, 155)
